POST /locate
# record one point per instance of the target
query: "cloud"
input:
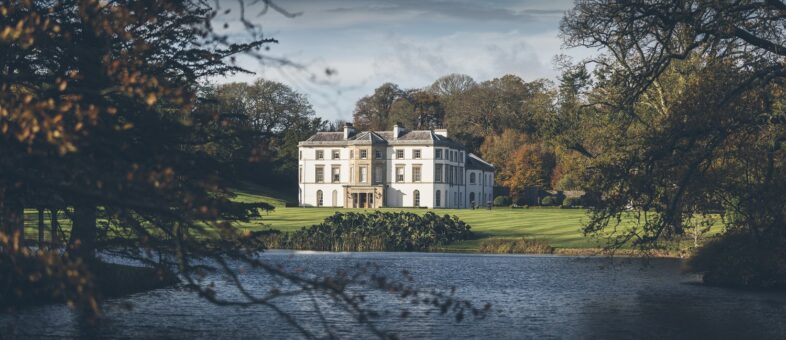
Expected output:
(408, 42)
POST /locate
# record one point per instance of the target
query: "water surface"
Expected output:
(532, 296)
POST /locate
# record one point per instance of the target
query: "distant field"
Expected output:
(561, 228)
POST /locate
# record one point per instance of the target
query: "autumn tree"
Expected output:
(101, 113)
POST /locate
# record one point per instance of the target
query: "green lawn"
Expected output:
(559, 227)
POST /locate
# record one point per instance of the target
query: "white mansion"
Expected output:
(399, 168)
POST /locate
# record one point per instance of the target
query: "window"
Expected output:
(300, 174)
(351, 154)
(472, 198)
(471, 178)
(378, 154)
(416, 154)
(364, 174)
(336, 174)
(336, 154)
(399, 154)
(437, 198)
(399, 174)
(363, 154)
(378, 174)
(320, 174)
(450, 155)
(335, 198)
(320, 154)
(300, 155)
(438, 154)
(320, 199)
(416, 173)
(438, 173)
(416, 198)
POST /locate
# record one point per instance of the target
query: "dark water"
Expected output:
(533, 297)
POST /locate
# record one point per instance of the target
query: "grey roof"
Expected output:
(414, 137)
(476, 163)
(326, 137)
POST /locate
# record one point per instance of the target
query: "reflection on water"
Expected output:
(532, 296)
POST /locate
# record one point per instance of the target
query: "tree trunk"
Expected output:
(40, 228)
(83, 233)
(12, 215)
(54, 225)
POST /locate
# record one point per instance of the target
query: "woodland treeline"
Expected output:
(506, 120)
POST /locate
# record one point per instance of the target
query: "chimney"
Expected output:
(397, 129)
(349, 131)
(441, 132)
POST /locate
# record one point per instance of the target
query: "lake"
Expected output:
(537, 297)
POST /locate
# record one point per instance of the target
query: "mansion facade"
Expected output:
(398, 168)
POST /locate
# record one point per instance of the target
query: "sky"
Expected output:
(409, 42)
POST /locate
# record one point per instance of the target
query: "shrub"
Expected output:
(739, 260)
(502, 201)
(548, 200)
(571, 202)
(377, 231)
(515, 246)
(521, 200)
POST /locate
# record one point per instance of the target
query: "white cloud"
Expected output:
(400, 43)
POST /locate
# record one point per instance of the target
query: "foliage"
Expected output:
(571, 202)
(741, 260)
(502, 201)
(258, 127)
(377, 231)
(548, 201)
(373, 112)
(515, 246)
(685, 114)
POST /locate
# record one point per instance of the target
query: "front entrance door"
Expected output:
(362, 200)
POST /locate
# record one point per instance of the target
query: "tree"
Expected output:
(689, 94)
(452, 85)
(373, 112)
(265, 120)
(418, 109)
(529, 167)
